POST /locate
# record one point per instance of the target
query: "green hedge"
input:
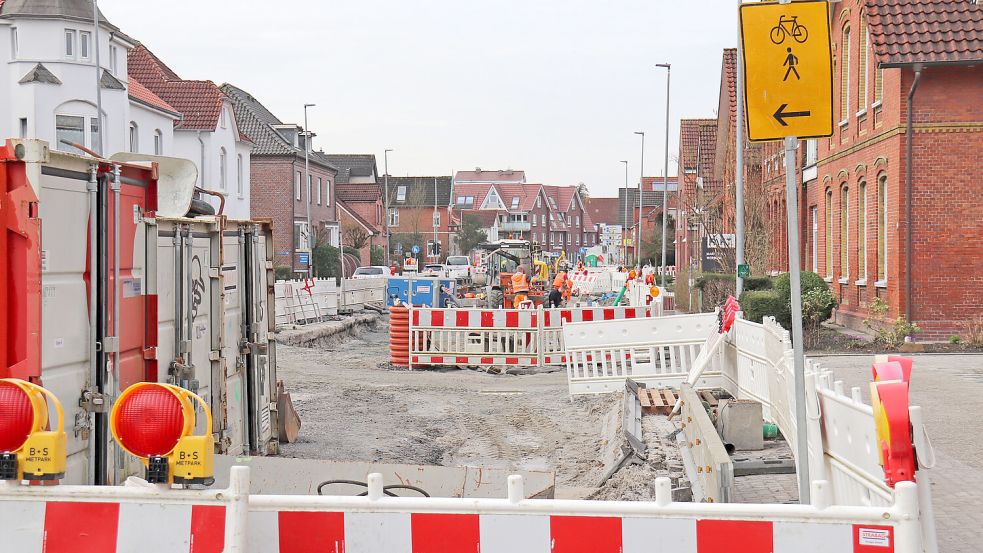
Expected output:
(758, 304)
(758, 283)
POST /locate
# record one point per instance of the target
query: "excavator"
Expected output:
(501, 258)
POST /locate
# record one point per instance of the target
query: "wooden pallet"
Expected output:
(657, 402)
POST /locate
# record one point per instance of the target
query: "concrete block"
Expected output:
(739, 423)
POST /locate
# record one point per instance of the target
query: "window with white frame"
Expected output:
(327, 191)
(578, 220)
(862, 231)
(240, 182)
(134, 137)
(70, 47)
(14, 45)
(539, 201)
(223, 169)
(95, 134)
(436, 219)
(401, 193)
(533, 219)
(297, 177)
(310, 188)
(85, 45)
(320, 185)
(882, 228)
(114, 60)
(302, 238)
(158, 143)
(844, 232)
(393, 217)
(221, 119)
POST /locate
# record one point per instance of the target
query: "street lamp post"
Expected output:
(307, 177)
(638, 227)
(385, 201)
(624, 241)
(665, 179)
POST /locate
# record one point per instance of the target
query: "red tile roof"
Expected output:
(531, 192)
(730, 81)
(932, 31)
(200, 102)
(477, 191)
(358, 193)
(485, 217)
(691, 134)
(142, 94)
(604, 210)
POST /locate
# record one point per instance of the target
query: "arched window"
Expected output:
(844, 232)
(223, 168)
(862, 58)
(862, 231)
(134, 137)
(240, 185)
(882, 228)
(829, 233)
(158, 143)
(845, 75)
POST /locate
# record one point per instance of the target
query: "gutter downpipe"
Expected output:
(908, 193)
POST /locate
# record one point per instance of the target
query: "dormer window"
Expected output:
(515, 202)
(70, 43)
(401, 193)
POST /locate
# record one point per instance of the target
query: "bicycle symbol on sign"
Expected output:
(789, 26)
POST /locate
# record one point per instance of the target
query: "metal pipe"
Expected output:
(385, 208)
(220, 196)
(739, 168)
(665, 178)
(189, 287)
(624, 241)
(794, 265)
(638, 227)
(92, 189)
(307, 176)
(910, 139)
(178, 296)
(95, 19)
(117, 297)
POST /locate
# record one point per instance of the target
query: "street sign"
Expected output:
(743, 271)
(304, 258)
(415, 249)
(788, 72)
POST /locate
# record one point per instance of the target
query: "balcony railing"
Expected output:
(515, 226)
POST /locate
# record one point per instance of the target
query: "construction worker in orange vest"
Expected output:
(520, 286)
(561, 288)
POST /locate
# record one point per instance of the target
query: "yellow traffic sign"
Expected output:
(788, 73)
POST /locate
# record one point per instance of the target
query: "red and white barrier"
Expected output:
(90, 519)
(500, 337)
(107, 525)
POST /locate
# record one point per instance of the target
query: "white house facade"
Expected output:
(48, 91)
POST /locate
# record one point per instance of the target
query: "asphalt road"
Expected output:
(949, 388)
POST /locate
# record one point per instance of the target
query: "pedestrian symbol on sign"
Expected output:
(791, 61)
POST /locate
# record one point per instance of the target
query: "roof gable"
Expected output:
(493, 200)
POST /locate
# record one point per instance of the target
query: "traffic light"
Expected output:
(27, 450)
(436, 249)
(155, 422)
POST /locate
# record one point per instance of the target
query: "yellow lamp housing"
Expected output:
(192, 458)
(42, 456)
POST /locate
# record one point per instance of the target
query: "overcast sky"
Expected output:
(554, 87)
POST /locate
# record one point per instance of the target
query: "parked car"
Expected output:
(458, 267)
(373, 271)
(434, 269)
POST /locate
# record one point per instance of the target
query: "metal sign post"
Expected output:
(788, 94)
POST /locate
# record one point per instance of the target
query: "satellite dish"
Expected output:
(176, 180)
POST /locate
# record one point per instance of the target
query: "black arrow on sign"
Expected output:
(781, 114)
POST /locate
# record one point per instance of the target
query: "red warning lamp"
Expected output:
(155, 422)
(28, 451)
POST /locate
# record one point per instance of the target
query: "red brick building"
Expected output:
(358, 191)
(277, 172)
(701, 194)
(420, 209)
(916, 245)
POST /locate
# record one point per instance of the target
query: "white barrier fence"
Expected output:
(752, 361)
(307, 301)
(501, 337)
(703, 448)
(153, 520)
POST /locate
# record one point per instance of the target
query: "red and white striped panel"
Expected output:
(523, 360)
(553, 317)
(77, 527)
(367, 532)
(476, 318)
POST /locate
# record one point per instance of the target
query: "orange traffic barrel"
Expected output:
(399, 335)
